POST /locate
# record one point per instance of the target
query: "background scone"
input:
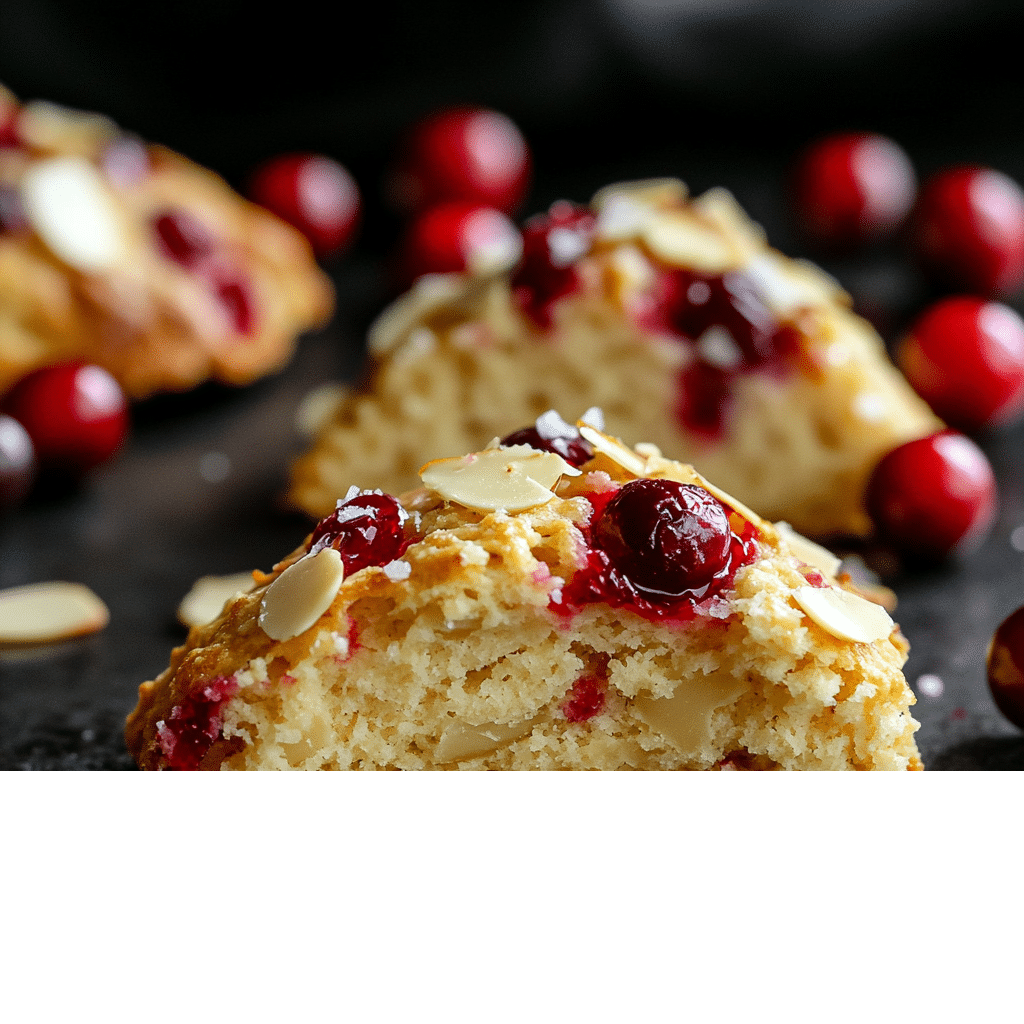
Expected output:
(130, 256)
(518, 612)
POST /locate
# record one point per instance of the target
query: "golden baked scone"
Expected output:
(131, 256)
(676, 318)
(518, 612)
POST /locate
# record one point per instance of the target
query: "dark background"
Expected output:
(713, 91)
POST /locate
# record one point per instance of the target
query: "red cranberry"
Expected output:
(463, 153)
(550, 433)
(183, 239)
(458, 236)
(194, 725)
(314, 194)
(10, 136)
(1006, 667)
(933, 496)
(17, 462)
(367, 529)
(852, 186)
(233, 293)
(586, 699)
(552, 243)
(968, 230)
(965, 357)
(75, 413)
(666, 537)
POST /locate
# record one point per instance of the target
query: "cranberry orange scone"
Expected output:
(520, 612)
(134, 258)
(672, 315)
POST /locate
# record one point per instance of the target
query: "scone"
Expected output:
(132, 257)
(587, 606)
(672, 315)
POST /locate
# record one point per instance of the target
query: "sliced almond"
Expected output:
(301, 594)
(808, 551)
(734, 503)
(318, 407)
(656, 193)
(788, 285)
(512, 478)
(680, 240)
(845, 615)
(206, 600)
(44, 612)
(431, 292)
(622, 456)
(720, 206)
(460, 741)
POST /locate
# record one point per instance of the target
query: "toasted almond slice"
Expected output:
(460, 741)
(845, 615)
(682, 241)
(734, 503)
(206, 600)
(788, 285)
(301, 594)
(808, 551)
(614, 449)
(512, 478)
(430, 292)
(318, 406)
(656, 193)
(44, 612)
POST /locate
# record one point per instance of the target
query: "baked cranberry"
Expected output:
(75, 413)
(586, 699)
(462, 153)
(968, 230)
(933, 496)
(17, 462)
(550, 433)
(194, 725)
(182, 238)
(552, 243)
(1005, 665)
(314, 194)
(965, 357)
(367, 529)
(666, 537)
(233, 293)
(458, 236)
(851, 187)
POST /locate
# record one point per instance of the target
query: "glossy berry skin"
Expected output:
(467, 153)
(968, 230)
(1005, 665)
(366, 529)
(17, 462)
(933, 496)
(75, 413)
(314, 194)
(665, 537)
(965, 357)
(456, 237)
(852, 187)
(551, 433)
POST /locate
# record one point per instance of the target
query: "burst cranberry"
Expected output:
(367, 529)
(194, 725)
(463, 153)
(314, 194)
(852, 187)
(933, 496)
(965, 357)
(1006, 667)
(550, 433)
(183, 239)
(75, 413)
(968, 230)
(459, 236)
(234, 295)
(17, 462)
(586, 699)
(552, 243)
(666, 537)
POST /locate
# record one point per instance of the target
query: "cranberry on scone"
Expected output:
(1005, 667)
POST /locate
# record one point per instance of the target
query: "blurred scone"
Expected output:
(588, 606)
(675, 317)
(132, 257)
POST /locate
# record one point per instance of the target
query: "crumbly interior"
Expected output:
(155, 325)
(465, 368)
(464, 665)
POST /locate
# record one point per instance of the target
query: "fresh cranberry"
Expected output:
(933, 496)
(851, 187)
(464, 153)
(1006, 667)
(367, 529)
(314, 194)
(75, 413)
(458, 236)
(194, 725)
(183, 239)
(550, 433)
(552, 244)
(965, 357)
(17, 462)
(968, 230)
(586, 699)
